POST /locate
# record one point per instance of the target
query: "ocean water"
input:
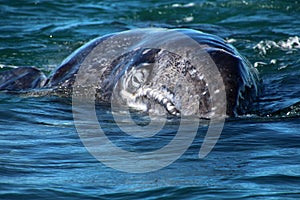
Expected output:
(256, 157)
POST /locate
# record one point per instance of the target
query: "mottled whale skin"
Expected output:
(149, 78)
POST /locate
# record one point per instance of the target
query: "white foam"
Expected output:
(291, 44)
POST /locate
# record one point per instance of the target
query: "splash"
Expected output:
(289, 45)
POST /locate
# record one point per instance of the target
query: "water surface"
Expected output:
(256, 157)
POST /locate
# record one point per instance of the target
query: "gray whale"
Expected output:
(150, 78)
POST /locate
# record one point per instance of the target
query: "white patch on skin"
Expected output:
(169, 105)
(163, 97)
(145, 64)
(217, 91)
(146, 51)
(160, 98)
(139, 76)
(151, 92)
(165, 100)
(159, 53)
(192, 72)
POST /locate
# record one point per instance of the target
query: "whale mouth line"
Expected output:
(162, 97)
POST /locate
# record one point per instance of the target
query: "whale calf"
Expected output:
(146, 77)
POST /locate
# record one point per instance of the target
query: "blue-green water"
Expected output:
(42, 156)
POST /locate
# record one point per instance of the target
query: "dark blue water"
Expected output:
(256, 157)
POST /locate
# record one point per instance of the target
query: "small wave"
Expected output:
(290, 111)
(291, 44)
